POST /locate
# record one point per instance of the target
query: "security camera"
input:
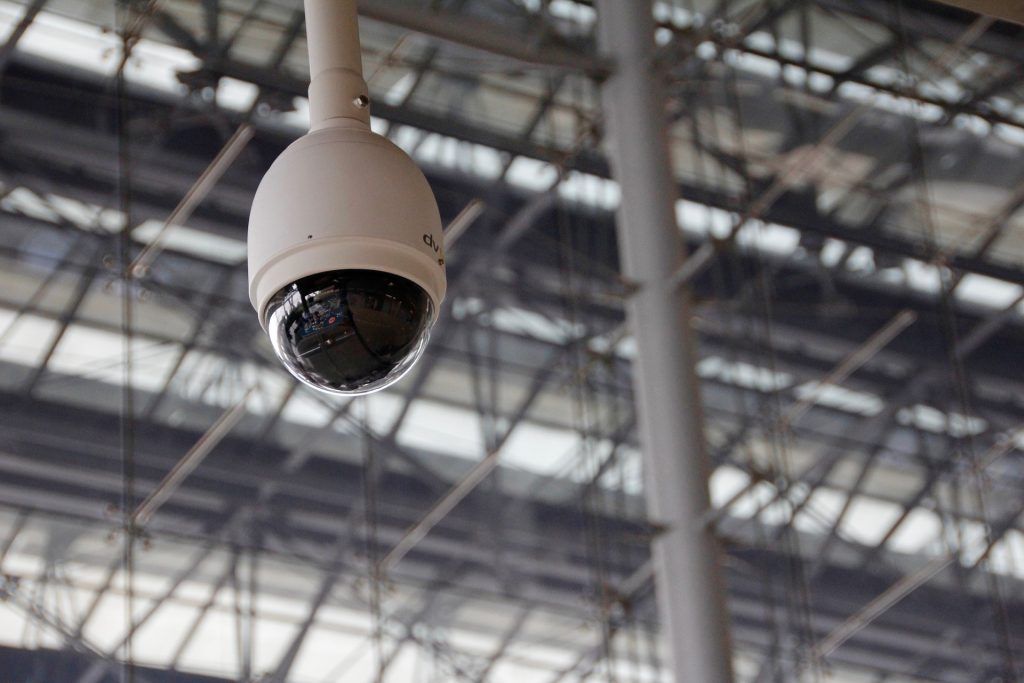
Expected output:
(346, 255)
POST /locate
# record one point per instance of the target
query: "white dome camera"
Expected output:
(346, 256)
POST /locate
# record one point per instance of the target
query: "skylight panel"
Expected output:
(400, 89)
(752, 63)
(187, 240)
(590, 190)
(917, 533)
(726, 481)
(673, 13)
(86, 216)
(304, 409)
(12, 624)
(272, 387)
(768, 237)
(96, 354)
(625, 475)
(743, 374)
(903, 106)
(861, 259)
(700, 219)
(970, 537)
(533, 324)
(531, 174)
(382, 409)
(69, 41)
(407, 137)
(271, 638)
(211, 649)
(922, 276)
(431, 150)
(26, 202)
(334, 656)
(297, 118)
(868, 519)
(821, 510)
(473, 642)
(751, 502)
(933, 420)
(107, 624)
(10, 14)
(574, 12)
(235, 94)
(841, 398)
(24, 339)
(538, 449)
(157, 65)
(436, 427)
(512, 672)
(832, 251)
(1010, 134)
(169, 624)
(23, 565)
(987, 291)
(1007, 556)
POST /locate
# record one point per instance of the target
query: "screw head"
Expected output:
(362, 101)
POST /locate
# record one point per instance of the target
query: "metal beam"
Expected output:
(461, 29)
(687, 574)
(1007, 10)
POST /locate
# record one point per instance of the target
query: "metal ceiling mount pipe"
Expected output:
(336, 85)
(688, 577)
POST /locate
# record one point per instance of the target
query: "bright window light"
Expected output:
(726, 482)
(531, 174)
(868, 519)
(538, 449)
(187, 240)
(917, 533)
(841, 398)
(24, 339)
(437, 427)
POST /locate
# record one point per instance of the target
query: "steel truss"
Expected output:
(297, 486)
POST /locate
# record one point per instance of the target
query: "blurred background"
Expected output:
(851, 176)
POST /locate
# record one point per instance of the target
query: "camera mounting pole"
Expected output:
(688, 580)
(337, 92)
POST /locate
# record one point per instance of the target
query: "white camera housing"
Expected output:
(346, 250)
(343, 198)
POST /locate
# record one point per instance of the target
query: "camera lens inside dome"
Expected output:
(350, 331)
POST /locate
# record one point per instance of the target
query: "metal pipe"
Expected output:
(880, 605)
(332, 36)
(461, 223)
(191, 460)
(440, 510)
(688, 578)
(853, 362)
(194, 197)
(336, 86)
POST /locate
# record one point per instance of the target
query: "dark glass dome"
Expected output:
(350, 331)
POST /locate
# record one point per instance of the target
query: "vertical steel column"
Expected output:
(688, 581)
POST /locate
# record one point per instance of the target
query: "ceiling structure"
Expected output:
(851, 183)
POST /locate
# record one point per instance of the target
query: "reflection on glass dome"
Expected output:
(350, 331)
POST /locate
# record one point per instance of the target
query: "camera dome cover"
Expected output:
(343, 198)
(350, 331)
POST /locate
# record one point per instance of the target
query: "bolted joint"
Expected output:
(338, 94)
